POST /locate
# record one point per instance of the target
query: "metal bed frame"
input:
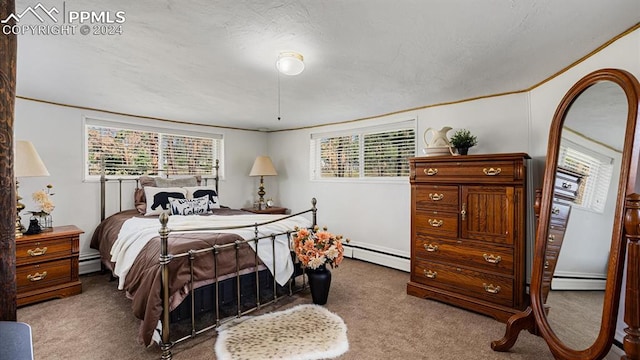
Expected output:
(165, 259)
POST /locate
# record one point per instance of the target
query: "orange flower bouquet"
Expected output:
(316, 248)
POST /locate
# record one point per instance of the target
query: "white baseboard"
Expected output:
(578, 284)
(88, 266)
(375, 257)
(615, 353)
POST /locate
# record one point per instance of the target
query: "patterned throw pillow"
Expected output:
(158, 198)
(197, 206)
(198, 191)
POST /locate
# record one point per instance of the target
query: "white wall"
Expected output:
(57, 133)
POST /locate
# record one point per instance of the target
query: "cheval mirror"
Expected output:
(591, 168)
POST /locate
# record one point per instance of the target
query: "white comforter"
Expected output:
(136, 232)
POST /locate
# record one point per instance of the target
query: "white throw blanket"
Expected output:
(136, 232)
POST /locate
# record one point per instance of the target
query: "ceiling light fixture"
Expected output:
(290, 63)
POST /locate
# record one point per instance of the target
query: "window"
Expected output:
(597, 169)
(130, 150)
(376, 152)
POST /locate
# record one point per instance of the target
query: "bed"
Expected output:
(170, 266)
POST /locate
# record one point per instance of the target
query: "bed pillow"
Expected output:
(178, 182)
(158, 198)
(197, 206)
(198, 191)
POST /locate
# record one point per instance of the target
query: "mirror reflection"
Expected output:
(582, 216)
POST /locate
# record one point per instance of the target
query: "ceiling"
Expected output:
(213, 62)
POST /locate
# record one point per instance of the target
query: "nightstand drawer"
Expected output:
(31, 251)
(30, 277)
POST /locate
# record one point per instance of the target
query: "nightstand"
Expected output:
(47, 265)
(269, 210)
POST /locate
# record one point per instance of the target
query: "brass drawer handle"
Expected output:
(37, 276)
(492, 259)
(463, 213)
(492, 171)
(555, 211)
(436, 197)
(491, 289)
(430, 171)
(430, 274)
(436, 223)
(566, 185)
(37, 251)
(551, 238)
(431, 248)
(546, 265)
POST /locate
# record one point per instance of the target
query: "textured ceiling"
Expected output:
(213, 62)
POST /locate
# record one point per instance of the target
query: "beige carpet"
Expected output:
(303, 332)
(383, 321)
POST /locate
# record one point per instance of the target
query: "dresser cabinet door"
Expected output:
(486, 213)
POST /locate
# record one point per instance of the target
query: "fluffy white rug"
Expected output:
(304, 332)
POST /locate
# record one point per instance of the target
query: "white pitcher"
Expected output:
(438, 144)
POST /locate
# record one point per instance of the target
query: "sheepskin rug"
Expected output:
(304, 332)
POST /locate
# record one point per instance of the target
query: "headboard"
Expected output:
(104, 180)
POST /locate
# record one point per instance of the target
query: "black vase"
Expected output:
(463, 151)
(319, 282)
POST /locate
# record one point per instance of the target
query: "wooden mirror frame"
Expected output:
(534, 318)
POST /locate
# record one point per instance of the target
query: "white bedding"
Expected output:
(136, 232)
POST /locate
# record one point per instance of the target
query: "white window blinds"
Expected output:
(597, 169)
(372, 152)
(137, 151)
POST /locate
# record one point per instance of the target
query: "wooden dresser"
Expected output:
(468, 231)
(47, 265)
(565, 191)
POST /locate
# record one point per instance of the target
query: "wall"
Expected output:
(57, 134)
(376, 215)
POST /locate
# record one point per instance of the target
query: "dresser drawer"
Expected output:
(433, 197)
(481, 171)
(28, 252)
(494, 288)
(485, 258)
(436, 223)
(36, 276)
(559, 213)
(566, 184)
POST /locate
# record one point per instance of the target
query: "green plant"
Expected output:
(463, 138)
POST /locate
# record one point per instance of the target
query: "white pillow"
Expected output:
(158, 198)
(197, 206)
(198, 191)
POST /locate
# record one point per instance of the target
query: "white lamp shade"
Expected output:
(27, 161)
(290, 63)
(263, 167)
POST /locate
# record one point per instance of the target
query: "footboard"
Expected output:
(257, 241)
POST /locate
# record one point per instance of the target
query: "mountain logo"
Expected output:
(34, 11)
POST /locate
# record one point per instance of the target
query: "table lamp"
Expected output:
(27, 164)
(262, 167)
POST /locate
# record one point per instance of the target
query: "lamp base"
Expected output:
(19, 207)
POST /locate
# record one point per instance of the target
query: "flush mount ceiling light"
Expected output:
(290, 63)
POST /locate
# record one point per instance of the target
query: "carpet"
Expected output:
(304, 332)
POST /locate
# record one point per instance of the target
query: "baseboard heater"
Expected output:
(378, 257)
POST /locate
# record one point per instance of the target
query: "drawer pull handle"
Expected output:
(492, 259)
(436, 197)
(430, 171)
(566, 185)
(551, 238)
(37, 276)
(546, 265)
(463, 213)
(430, 274)
(436, 223)
(491, 289)
(37, 251)
(431, 248)
(492, 171)
(555, 211)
